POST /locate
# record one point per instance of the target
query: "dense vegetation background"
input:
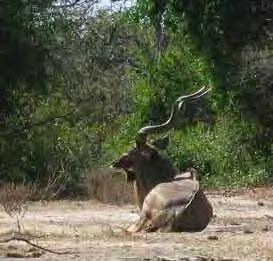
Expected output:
(77, 80)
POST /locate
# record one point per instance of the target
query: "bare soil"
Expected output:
(242, 229)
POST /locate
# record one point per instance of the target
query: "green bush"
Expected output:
(178, 71)
(212, 136)
(122, 139)
(223, 154)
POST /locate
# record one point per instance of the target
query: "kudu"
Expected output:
(163, 197)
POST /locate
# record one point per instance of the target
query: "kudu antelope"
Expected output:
(166, 199)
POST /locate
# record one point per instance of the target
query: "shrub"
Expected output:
(224, 154)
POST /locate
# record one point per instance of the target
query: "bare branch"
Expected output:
(23, 239)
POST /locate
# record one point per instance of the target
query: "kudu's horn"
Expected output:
(141, 136)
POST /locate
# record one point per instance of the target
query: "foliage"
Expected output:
(256, 88)
(204, 46)
(154, 93)
(56, 127)
(224, 154)
(76, 85)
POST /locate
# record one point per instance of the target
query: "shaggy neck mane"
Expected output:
(151, 172)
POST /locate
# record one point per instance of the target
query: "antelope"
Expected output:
(167, 201)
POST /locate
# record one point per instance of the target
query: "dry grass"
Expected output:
(14, 199)
(109, 187)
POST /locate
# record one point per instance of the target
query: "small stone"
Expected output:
(32, 249)
(248, 231)
(234, 223)
(36, 254)
(260, 203)
(265, 229)
(12, 247)
(15, 254)
(213, 237)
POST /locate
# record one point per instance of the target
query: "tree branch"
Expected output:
(23, 239)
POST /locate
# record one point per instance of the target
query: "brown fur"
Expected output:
(176, 206)
(150, 168)
(166, 202)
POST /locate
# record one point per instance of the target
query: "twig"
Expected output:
(19, 238)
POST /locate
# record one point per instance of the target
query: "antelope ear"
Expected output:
(161, 143)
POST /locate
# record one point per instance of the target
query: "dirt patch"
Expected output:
(242, 229)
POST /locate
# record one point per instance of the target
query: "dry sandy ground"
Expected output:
(242, 229)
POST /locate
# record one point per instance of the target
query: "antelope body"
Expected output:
(179, 205)
(167, 200)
